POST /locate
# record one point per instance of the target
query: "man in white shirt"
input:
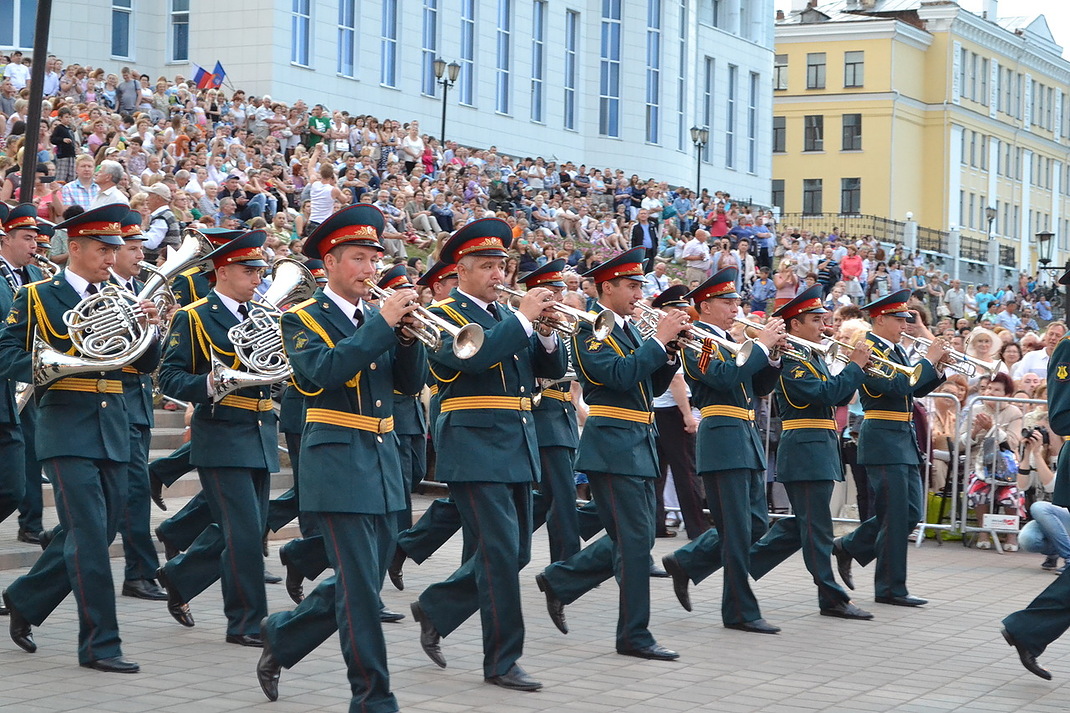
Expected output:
(1036, 362)
(696, 256)
(107, 179)
(655, 282)
(17, 72)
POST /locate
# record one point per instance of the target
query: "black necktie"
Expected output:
(243, 311)
(91, 289)
(24, 275)
(493, 309)
(358, 318)
(728, 336)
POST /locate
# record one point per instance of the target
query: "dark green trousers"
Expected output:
(883, 537)
(436, 526)
(413, 452)
(626, 506)
(172, 467)
(1045, 619)
(740, 517)
(285, 508)
(33, 505)
(231, 549)
(557, 506)
(810, 531)
(358, 547)
(12, 475)
(139, 549)
(498, 516)
(89, 503)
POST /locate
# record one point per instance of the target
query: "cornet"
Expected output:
(959, 362)
(801, 349)
(602, 323)
(692, 337)
(467, 340)
(877, 366)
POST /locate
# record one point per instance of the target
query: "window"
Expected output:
(502, 56)
(122, 21)
(777, 196)
(852, 132)
(983, 98)
(707, 102)
(179, 50)
(964, 59)
(853, 69)
(429, 51)
(815, 70)
(730, 118)
(653, 68)
(850, 196)
(17, 23)
(300, 31)
(710, 12)
(572, 41)
(609, 74)
(780, 134)
(970, 212)
(752, 124)
(347, 38)
(812, 196)
(466, 80)
(388, 44)
(813, 132)
(681, 83)
(973, 75)
(538, 58)
(780, 72)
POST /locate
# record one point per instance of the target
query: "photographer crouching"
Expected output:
(1048, 532)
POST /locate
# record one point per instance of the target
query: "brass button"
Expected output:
(104, 404)
(374, 366)
(259, 422)
(523, 419)
(379, 438)
(521, 389)
(102, 386)
(378, 402)
(516, 358)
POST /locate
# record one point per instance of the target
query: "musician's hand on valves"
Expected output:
(773, 334)
(670, 325)
(170, 313)
(535, 302)
(398, 305)
(861, 354)
(937, 351)
(150, 315)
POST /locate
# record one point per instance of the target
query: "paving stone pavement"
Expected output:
(947, 656)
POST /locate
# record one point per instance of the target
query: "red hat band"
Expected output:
(478, 245)
(89, 229)
(628, 269)
(397, 283)
(888, 309)
(802, 307)
(721, 288)
(256, 253)
(22, 221)
(545, 278)
(349, 234)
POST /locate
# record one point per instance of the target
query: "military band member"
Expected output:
(620, 377)
(485, 405)
(347, 360)
(731, 455)
(808, 457)
(87, 465)
(888, 448)
(234, 445)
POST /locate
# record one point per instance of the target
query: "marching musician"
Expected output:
(234, 445)
(888, 448)
(620, 376)
(484, 410)
(808, 457)
(87, 466)
(731, 455)
(347, 359)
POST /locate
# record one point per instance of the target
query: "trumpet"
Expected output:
(692, 337)
(801, 349)
(467, 340)
(568, 325)
(877, 366)
(959, 362)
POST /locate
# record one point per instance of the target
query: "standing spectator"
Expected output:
(655, 282)
(851, 268)
(787, 284)
(763, 289)
(1036, 362)
(412, 147)
(1009, 318)
(163, 227)
(82, 190)
(696, 256)
(645, 235)
(318, 126)
(108, 177)
(828, 271)
(128, 93)
(66, 143)
(955, 300)
(747, 267)
(984, 298)
(16, 71)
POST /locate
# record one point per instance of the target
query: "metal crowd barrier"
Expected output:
(954, 524)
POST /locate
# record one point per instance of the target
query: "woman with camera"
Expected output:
(1048, 532)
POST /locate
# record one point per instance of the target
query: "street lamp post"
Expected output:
(446, 75)
(990, 216)
(1045, 246)
(700, 136)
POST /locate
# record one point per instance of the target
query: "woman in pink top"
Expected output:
(786, 282)
(718, 223)
(851, 267)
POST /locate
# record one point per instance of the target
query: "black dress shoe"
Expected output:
(1028, 659)
(143, 589)
(656, 571)
(847, 610)
(253, 640)
(666, 533)
(843, 563)
(429, 636)
(3, 610)
(389, 617)
(270, 578)
(680, 580)
(553, 605)
(116, 664)
(907, 601)
(294, 579)
(397, 577)
(169, 551)
(515, 679)
(175, 606)
(267, 668)
(758, 626)
(45, 539)
(156, 491)
(654, 652)
(30, 538)
(18, 627)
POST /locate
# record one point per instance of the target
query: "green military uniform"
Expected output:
(28, 467)
(190, 286)
(12, 445)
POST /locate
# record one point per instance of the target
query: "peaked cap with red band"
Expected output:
(317, 270)
(246, 250)
(486, 237)
(103, 224)
(131, 226)
(628, 264)
(807, 301)
(395, 278)
(894, 304)
(5, 210)
(720, 284)
(23, 215)
(360, 224)
(221, 236)
(45, 230)
(549, 274)
(437, 273)
(672, 296)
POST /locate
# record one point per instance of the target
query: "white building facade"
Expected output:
(609, 83)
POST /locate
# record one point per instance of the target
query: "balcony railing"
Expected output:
(855, 226)
(973, 249)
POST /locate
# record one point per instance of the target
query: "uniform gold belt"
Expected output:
(246, 403)
(350, 420)
(470, 403)
(728, 411)
(904, 416)
(557, 394)
(90, 386)
(795, 423)
(622, 414)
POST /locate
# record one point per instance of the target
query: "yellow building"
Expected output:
(919, 108)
